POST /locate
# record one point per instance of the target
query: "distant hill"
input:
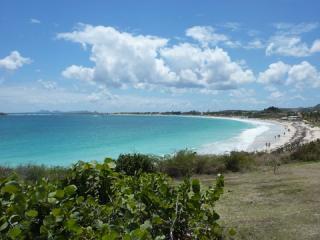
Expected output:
(317, 107)
(270, 112)
(2, 114)
(272, 109)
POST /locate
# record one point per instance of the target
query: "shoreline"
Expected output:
(252, 138)
(291, 133)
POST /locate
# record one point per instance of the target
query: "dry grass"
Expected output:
(261, 205)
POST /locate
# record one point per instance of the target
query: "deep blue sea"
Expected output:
(65, 139)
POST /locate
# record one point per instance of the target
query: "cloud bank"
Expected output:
(300, 75)
(123, 60)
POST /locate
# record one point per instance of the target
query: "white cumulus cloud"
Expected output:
(123, 59)
(287, 46)
(275, 74)
(120, 58)
(302, 74)
(210, 68)
(287, 41)
(79, 72)
(205, 35)
(13, 61)
(299, 75)
(315, 46)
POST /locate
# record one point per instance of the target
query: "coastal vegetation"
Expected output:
(313, 116)
(94, 201)
(184, 163)
(134, 197)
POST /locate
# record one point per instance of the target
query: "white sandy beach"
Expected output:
(285, 133)
(276, 133)
(292, 131)
(300, 132)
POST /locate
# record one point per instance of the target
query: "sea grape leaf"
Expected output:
(14, 232)
(146, 225)
(59, 194)
(195, 186)
(71, 189)
(32, 213)
(4, 226)
(74, 227)
(56, 212)
(10, 187)
(111, 236)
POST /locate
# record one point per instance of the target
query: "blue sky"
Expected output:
(158, 55)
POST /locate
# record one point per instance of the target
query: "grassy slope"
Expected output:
(261, 205)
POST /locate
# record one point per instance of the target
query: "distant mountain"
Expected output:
(316, 107)
(301, 109)
(2, 114)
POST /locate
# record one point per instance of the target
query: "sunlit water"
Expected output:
(65, 139)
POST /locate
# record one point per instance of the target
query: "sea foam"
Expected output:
(245, 141)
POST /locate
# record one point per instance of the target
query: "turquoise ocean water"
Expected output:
(65, 139)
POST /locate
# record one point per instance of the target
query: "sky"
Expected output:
(120, 56)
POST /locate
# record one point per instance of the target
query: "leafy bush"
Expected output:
(209, 164)
(237, 161)
(186, 163)
(307, 152)
(95, 202)
(179, 165)
(133, 164)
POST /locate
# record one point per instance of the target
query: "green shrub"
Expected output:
(145, 206)
(186, 163)
(209, 164)
(180, 164)
(134, 164)
(307, 152)
(238, 161)
(93, 179)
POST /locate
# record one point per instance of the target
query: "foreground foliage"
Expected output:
(96, 202)
(134, 164)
